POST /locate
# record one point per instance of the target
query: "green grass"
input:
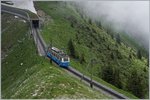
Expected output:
(25, 75)
(90, 40)
(8, 31)
(51, 82)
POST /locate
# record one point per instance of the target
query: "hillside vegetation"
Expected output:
(25, 75)
(117, 65)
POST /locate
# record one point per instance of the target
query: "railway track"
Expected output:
(41, 46)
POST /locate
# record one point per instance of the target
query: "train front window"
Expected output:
(65, 58)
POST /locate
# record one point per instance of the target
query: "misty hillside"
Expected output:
(118, 66)
(25, 75)
(127, 17)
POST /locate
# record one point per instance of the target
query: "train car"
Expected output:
(58, 56)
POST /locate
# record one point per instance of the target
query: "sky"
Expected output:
(131, 16)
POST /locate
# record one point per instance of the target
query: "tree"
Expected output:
(77, 38)
(107, 74)
(111, 74)
(139, 55)
(116, 76)
(136, 84)
(82, 59)
(72, 25)
(108, 47)
(118, 39)
(119, 56)
(98, 23)
(130, 56)
(112, 55)
(112, 36)
(148, 61)
(71, 48)
(90, 21)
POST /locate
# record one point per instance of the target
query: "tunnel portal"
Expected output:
(35, 23)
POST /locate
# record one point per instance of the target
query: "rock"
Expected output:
(35, 94)
(21, 64)
(19, 41)
(16, 16)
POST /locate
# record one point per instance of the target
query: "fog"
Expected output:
(129, 16)
(24, 4)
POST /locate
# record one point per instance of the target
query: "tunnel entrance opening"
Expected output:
(35, 23)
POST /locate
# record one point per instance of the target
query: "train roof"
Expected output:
(55, 49)
(60, 52)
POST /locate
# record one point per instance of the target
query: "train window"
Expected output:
(65, 58)
(59, 58)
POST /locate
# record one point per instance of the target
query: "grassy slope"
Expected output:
(26, 75)
(83, 34)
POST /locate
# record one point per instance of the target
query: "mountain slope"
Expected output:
(26, 75)
(65, 25)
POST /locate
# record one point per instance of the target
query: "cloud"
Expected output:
(130, 16)
(25, 4)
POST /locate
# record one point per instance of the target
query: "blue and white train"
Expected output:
(58, 56)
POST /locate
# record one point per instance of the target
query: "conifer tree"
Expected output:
(118, 39)
(139, 55)
(135, 84)
(82, 59)
(71, 48)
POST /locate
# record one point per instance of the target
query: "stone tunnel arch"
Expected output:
(35, 23)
